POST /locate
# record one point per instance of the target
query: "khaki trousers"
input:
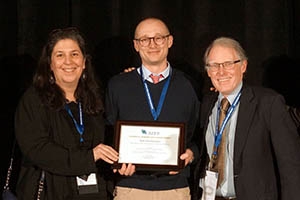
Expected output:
(124, 193)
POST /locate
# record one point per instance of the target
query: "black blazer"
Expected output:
(266, 146)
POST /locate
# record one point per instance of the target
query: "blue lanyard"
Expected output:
(80, 126)
(155, 113)
(219, 133)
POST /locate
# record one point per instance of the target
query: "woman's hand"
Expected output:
(106, 153)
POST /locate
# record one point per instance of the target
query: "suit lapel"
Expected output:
(246, 112)
(247, 109)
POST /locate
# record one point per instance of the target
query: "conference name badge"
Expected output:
(209, 185)
(88, 184)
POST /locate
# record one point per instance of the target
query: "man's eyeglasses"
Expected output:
(158, 40)
(226, 65)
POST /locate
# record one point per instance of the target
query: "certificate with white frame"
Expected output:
(150, 145)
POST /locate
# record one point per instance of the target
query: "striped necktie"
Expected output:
(155, 78)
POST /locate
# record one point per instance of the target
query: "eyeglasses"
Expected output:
(226, 65)
(158, 40)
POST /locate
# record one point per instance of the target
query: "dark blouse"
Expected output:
(49, 140)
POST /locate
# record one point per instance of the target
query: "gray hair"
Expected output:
(226, 42)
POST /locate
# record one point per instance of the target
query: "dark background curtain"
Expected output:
(269, 30)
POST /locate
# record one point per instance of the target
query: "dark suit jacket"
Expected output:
(266, 146)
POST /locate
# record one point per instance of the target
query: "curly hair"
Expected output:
(88, 90)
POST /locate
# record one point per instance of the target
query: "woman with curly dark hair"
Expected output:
(59, 125)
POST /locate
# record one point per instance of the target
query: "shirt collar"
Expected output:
(232, 95)
(147, 73)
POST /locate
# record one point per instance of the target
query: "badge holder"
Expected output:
(87, 185)
(209, 185)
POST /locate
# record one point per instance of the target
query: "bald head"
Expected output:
(152, 41)
(151, 25)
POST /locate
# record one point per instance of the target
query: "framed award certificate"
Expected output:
(150, 145)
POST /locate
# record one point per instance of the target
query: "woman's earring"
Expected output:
(51, 79)
(83, 76)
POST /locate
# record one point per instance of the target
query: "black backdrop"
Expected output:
(269, 30)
